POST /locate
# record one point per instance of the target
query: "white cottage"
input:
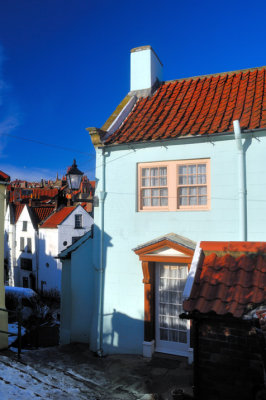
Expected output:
(64, 227)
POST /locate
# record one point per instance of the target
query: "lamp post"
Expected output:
(74, 176)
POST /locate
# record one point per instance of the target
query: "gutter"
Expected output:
(207, 138)
(242, 192)
(102, 194)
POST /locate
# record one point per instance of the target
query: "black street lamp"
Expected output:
(74, 176)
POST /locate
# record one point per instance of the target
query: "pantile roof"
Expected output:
(4, 177)
(230, 278)
(57, 218)
(17, 210)
(41, 213)
(202, 105)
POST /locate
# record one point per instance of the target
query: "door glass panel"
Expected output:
(172, 280)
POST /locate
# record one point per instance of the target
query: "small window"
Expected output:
(24, 226)
(75, 238)
(26, 264)
(78, 221)
(25, 282)
(29, 248)
(22, 244)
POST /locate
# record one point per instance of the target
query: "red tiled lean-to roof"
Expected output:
(230, 279)
(41, 213)
(57, 218)
(17, 211)
(197, 106)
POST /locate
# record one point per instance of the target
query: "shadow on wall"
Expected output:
(32, 270)
(123, 333)
(49, 275)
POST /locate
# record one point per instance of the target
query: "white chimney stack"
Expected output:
(145, 68)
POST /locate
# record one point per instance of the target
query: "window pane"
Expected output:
(163, 271)
(192, 179)
(146, 202)
(202, 169)
(201, 179)
(146, 192)
(163, 181)
(163, 171)
(202, 190)
(183, 191)
(192, 201)
(182, 180)
(192, 169)
(203, 200)
(182, 170)
(173, 336)
(145, 181)
(182, 337)
(145, 172)
(155, 201)
(155, 192)
(154, 171)
(193, 191)
(163, 334)
(183, 201)
(164, 201)
(164, 192)
(154, 182)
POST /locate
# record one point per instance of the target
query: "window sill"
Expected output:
(177, 210)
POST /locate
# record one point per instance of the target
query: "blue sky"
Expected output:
(65, 64)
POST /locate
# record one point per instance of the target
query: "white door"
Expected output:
(172, 333)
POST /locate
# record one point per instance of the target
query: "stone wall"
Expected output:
(229, 361)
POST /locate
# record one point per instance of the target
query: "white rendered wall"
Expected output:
(49, 267)
(32, 234)
(67, 229)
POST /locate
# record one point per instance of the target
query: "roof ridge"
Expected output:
(215, 74)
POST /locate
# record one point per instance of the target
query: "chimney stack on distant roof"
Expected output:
(145, 68)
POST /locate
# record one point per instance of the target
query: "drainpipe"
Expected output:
(102, 194)
(241, 183)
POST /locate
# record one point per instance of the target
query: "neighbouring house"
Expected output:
(185, 156)
(226, 299)
(4, 179)
(22, 243)
(61, 229)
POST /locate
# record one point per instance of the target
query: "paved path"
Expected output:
(73, 372)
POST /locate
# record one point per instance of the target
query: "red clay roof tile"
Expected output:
(231, 277)
(197, 106)
(57, 218)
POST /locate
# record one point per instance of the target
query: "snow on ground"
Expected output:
(13, 328)
(22, 382)
(72, 372)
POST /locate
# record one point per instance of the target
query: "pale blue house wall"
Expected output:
(125, 227)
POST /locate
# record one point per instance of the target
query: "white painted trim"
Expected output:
(121, 116)
(192, 271)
